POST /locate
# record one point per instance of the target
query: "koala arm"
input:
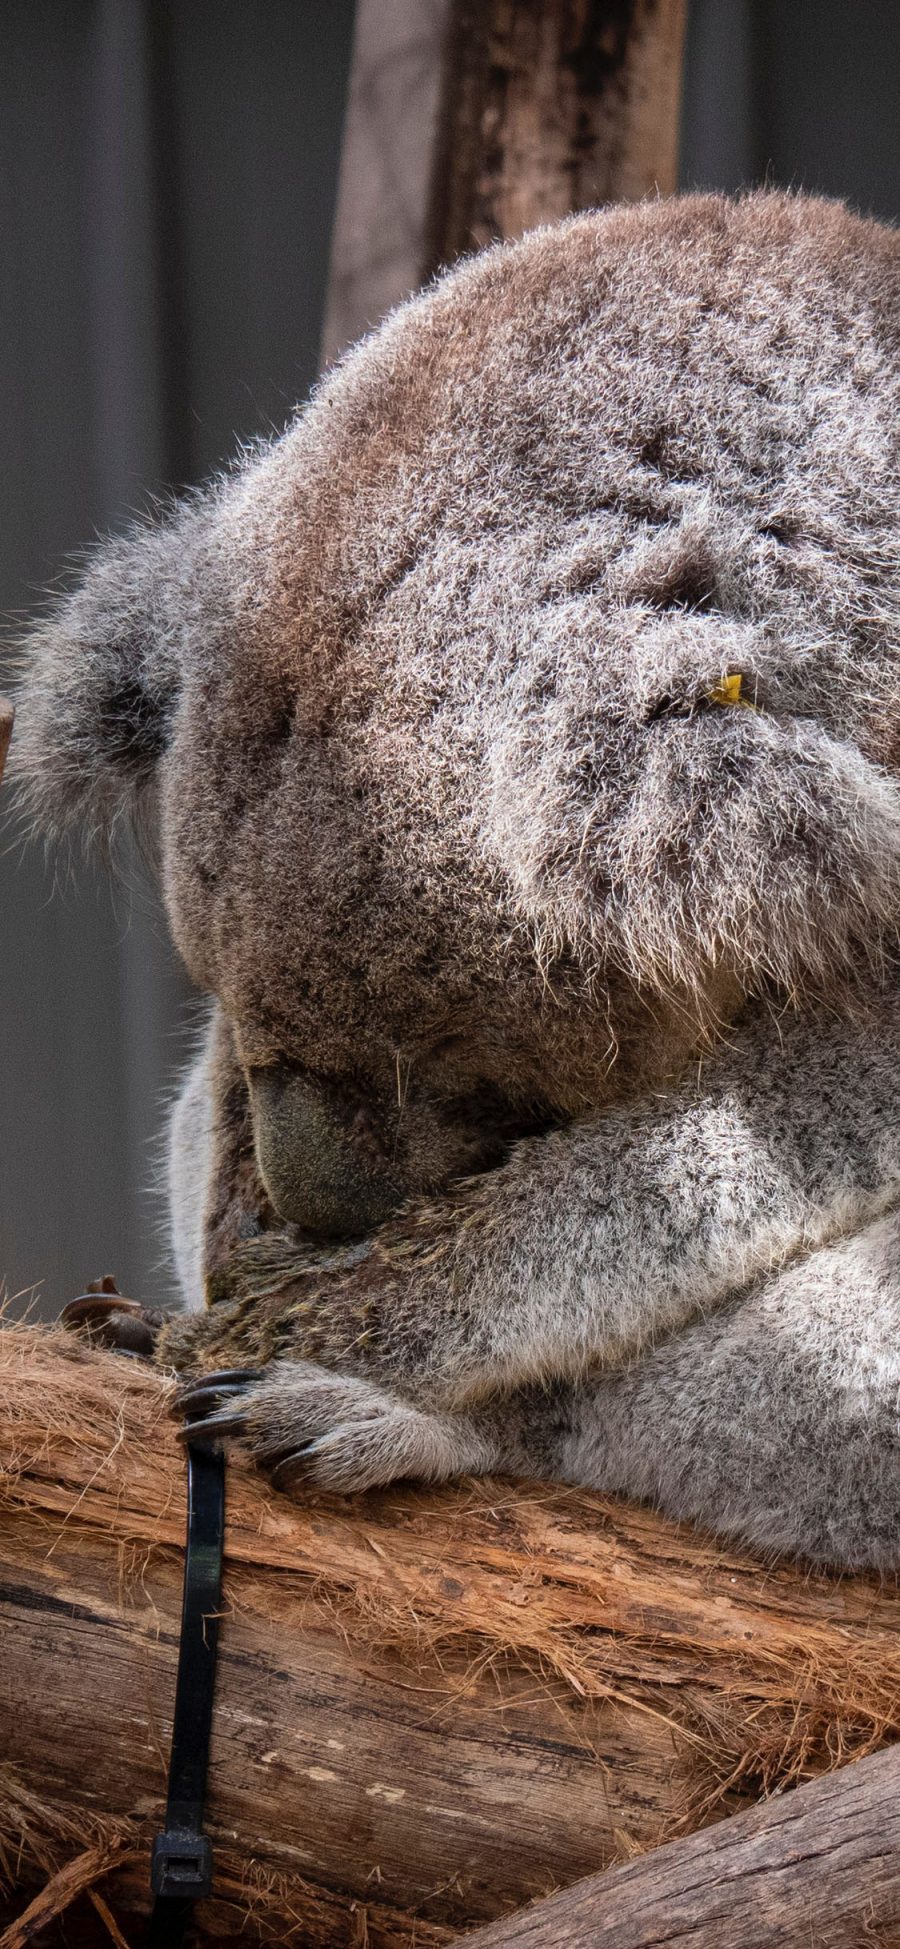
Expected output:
(591, 1242)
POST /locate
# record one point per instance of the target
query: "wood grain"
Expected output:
(820, 1866)
(552, 106)
(434, 1707)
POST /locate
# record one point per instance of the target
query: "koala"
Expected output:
(518, 738)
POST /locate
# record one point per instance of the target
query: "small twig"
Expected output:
(63, 1888)
(108, 1919)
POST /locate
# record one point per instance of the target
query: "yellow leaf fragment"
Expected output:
(728, 690)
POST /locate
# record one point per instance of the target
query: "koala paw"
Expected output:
(307, 1426)
(107, 1319)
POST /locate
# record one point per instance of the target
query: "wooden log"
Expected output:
(433, 1706)
(472, 120)
(821, 1865)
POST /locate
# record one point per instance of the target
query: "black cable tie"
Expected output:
(181, 1863)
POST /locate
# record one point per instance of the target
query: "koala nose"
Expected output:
(321, 1153)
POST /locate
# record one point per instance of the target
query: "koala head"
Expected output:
(529, 703)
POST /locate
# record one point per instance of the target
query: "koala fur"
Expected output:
(519, 734)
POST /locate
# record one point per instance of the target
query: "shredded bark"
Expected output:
(759, 1674)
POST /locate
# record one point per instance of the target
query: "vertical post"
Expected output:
(552, 106)
(472, 120)
(6, 723)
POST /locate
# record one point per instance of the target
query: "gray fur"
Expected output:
(561, 977)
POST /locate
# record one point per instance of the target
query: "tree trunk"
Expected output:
(433, 1706)
(552, 106)
(6, 724)
(819, 1866)
(472, 120)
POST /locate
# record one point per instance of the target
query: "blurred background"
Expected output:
(169, 179)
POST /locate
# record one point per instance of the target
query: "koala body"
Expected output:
(519, 736)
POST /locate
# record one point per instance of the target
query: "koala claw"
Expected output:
(198, 1403)
(110, 1320)
(307, 1426)
(294, 1469)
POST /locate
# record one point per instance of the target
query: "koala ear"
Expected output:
(100, 680)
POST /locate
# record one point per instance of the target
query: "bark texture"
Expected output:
(433, 1707)
(553, 107)
(821, 1865)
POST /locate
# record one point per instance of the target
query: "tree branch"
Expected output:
(819, 1866)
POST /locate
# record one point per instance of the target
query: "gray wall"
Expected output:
(799, 93)
(168, 179)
